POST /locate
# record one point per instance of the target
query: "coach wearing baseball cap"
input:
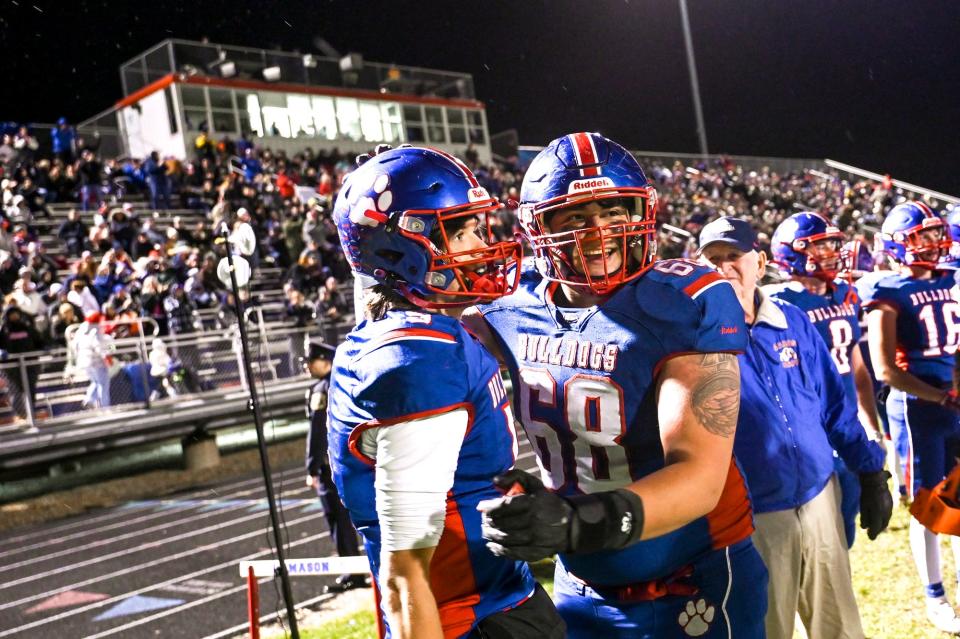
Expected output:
(794, 412)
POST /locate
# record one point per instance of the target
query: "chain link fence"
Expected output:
(142, 370)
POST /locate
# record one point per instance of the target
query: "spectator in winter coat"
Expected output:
(89, 171)
(9, 271)
(19, 335)
(73, 233)
(157, 181)
(123, 229)
(180, 311)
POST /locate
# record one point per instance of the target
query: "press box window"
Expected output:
(435, 128)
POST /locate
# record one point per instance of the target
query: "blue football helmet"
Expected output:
(570, 172)
(952, 259)
(794, 251)
(856, 258)
(390, 215)
(902, 235)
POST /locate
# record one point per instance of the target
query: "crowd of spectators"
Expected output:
(114, 263)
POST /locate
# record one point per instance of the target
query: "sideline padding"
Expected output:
(308, 567)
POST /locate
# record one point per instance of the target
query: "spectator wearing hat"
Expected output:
(794, 412)
(318, 363)
(92, 349)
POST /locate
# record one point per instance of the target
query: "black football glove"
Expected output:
(530, 523)
(876, 502)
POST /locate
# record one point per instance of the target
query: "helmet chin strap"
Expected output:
(434, 305)
(485, 283)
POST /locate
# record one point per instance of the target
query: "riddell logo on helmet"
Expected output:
(590, 184)
(478, 194)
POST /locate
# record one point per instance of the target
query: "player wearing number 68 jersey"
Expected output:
(913, 328)
(625, 380)
(806, 247)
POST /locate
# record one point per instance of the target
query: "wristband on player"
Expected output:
(605, 521)
(530, 522)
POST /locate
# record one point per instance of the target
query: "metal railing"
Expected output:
(853, 172)
(746, 162)
(40, 389)
(185, 56)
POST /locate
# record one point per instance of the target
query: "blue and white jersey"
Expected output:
(408, 366)
(928, 321)
(835, 315)
(584, 384)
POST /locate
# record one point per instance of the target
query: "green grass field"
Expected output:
(884, 581)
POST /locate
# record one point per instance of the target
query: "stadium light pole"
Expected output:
(694, 81)
(262, 442)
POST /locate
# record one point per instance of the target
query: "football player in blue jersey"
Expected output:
(858, 262)
(806, 247)
(913, 326)
(419, 421)
(625, 377)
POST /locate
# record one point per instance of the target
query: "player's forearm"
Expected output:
(409, 603)
(678, 494)
(904, 381)
(867, 402)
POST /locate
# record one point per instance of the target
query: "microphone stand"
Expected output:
(262, 442)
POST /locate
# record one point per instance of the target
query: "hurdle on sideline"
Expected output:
(313, 567)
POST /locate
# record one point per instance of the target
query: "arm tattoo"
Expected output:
(716, 396)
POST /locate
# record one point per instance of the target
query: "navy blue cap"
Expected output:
(319, 350)
(729, 230)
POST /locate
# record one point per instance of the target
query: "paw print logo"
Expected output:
(696, 618)
(370, 199)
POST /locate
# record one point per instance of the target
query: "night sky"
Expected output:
(875, 84)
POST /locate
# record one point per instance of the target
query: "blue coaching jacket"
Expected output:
(794, 412)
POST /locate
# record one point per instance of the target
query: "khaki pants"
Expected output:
(806, 556)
